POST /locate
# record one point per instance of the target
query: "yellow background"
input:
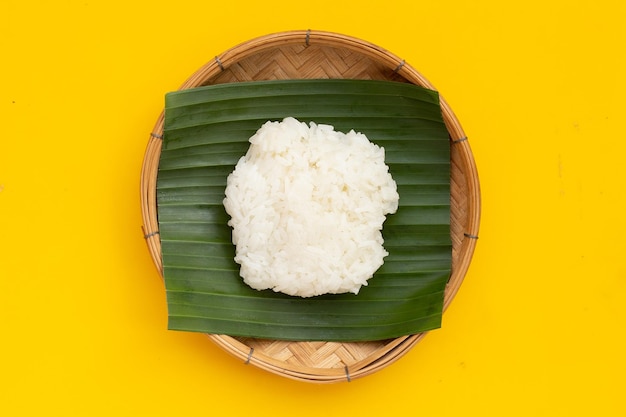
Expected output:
(538, 325)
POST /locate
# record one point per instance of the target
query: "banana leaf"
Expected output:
(206, 131)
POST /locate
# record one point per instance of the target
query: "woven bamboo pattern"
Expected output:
(312, 54)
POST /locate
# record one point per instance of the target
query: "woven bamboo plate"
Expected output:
(312, 54)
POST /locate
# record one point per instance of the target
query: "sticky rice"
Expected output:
(307, 206)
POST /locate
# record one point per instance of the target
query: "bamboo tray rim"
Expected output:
(393, 349)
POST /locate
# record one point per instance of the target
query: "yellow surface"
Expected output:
(538, 325)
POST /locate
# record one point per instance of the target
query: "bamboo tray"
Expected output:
(314, 54)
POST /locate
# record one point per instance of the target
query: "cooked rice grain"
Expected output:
(307, 206)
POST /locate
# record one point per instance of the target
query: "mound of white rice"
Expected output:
(307, 206)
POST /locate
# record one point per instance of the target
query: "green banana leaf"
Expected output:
(206, 131)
